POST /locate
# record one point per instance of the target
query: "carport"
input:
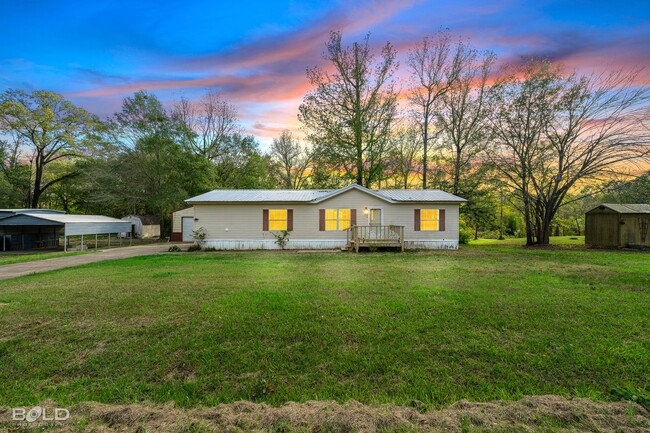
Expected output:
(39, 230)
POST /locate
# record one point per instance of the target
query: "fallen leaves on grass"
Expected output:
(528, 414)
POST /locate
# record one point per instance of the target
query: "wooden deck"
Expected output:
(375, 236)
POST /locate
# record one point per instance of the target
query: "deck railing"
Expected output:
(378, 236)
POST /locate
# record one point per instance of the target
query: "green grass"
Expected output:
(555, 240)
(10, 259)
(482, 323)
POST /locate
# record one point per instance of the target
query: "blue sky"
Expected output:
(255, 53)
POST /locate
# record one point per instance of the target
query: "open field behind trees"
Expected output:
(481, 323)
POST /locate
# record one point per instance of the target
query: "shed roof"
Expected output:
(625, 208)
(318, 195)
(144, 219)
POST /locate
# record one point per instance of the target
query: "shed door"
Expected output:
(188, 228)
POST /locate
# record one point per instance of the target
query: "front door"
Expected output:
(375, 217)
(374, 221)
(188, 227)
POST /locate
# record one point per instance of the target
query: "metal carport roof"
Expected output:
(73, 225)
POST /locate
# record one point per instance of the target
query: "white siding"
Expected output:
(239, 226)
(176, 218)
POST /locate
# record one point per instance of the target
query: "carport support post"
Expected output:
(82, 243)
(65, 241)
(109, 240)
(95, 240)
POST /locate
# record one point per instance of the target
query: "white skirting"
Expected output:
(425, 244)
(315, 244)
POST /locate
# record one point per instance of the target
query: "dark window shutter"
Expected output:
(441, 223)
(321, 220)
(289, 220)
(265, 220)
(416, 226)
(353, 217)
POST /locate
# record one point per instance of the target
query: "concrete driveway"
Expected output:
(27, 268)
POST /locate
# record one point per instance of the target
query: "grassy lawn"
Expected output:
(555, 240)
(482, 323)
(10, 259)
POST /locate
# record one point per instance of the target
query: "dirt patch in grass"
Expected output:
(539, 413)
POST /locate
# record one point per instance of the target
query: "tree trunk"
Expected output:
(456, 171)
(38, 177)
(425, 137)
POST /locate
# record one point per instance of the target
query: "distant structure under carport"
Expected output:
(618, 226)
(144, 226)
(43, 229)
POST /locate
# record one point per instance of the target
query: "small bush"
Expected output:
(209, 249)
(281, 238)
(195, 247)
(464, 235)
(174, 249)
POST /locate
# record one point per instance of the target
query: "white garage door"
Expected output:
(188, 227)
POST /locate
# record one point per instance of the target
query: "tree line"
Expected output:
(533, 138)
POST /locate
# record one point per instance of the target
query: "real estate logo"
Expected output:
(39, 413)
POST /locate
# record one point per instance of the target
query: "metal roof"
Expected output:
(418, 195)
(625, 208)
(258, 195)
(318, 195)
(65, 219)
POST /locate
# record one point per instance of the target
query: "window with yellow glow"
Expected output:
(337, 219)
(429, 219)
(277, 219)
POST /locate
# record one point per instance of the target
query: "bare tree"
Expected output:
(404, 157)
(293, 159)
(210, 120)
(434, 66)
(349, 113)
(553, 132)
(464, 109)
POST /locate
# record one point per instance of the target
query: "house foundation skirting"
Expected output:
(444, 244)
(315, 244)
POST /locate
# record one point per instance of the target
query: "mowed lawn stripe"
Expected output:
(481, 323)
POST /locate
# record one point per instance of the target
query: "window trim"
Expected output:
(423, 220)
(338, 219)
(286, 220)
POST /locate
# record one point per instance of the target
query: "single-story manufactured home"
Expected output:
(618, 226)
(352, 217)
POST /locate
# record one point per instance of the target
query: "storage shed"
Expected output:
(618, 226)
(29, 230)
(183, 225)
(144, 226)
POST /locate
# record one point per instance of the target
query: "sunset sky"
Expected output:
(255, 53)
